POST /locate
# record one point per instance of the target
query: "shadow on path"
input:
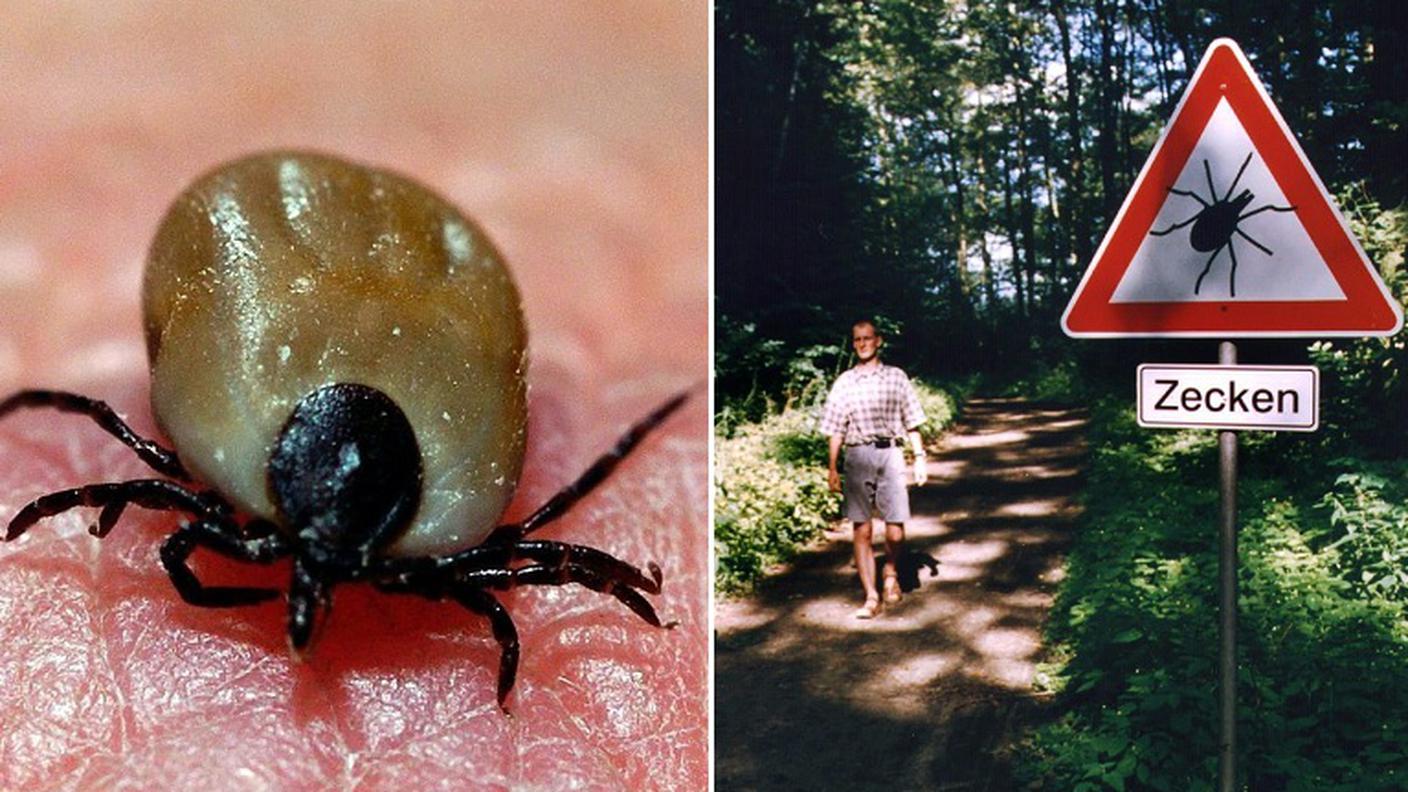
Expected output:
(930, 694)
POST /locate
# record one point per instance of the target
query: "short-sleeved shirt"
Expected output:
(868, 404)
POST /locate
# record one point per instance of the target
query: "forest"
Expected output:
(950, 169)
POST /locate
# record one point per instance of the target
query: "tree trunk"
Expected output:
(1074, 175)
(1108, 91)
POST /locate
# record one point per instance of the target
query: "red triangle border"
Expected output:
(1367, 309)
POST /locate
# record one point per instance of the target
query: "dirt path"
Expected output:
(929, 695)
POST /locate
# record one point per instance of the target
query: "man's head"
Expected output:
(866, 340)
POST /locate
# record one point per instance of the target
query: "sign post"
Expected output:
(1227, 593)
(1229, 233)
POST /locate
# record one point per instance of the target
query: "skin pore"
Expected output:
(866, 341)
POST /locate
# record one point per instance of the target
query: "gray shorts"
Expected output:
(874, 484)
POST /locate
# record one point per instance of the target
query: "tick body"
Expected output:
(339, 354)
(1218, 220)
(1215, 224)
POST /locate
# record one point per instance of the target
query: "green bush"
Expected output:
(1368, 511)
(1323, 646)
(1364, 381)
(940, 409)
(770, 497)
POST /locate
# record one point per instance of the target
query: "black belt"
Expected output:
(883, 442)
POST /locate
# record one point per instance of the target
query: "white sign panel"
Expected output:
(1278, 398)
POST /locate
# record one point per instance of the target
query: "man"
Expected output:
(869, 409)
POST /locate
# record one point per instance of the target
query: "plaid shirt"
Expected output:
(869, 404)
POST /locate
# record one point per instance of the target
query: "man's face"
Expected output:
(865, 341)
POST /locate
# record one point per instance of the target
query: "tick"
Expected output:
(1218, 220)
(339, 354)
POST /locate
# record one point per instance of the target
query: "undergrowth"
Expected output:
(1323, 639)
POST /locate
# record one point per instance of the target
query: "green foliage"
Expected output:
(770, 491)
(1058, 381)
(770, 496)
(1369, 516)
(757, 376)
(1323, 645)
(940, 407)
(1363, 380)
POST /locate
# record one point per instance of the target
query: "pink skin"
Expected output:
(579, 140)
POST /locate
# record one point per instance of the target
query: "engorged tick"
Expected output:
(340, 354)
(1218, 220)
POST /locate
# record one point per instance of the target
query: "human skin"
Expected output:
(577, 139)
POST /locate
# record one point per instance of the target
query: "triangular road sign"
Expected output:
(1229, 232)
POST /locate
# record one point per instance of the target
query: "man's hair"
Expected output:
(865, 320)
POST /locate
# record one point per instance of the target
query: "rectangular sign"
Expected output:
(1277, 398)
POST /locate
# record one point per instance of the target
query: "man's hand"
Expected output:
(833, 480)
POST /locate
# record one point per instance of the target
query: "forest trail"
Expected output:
(930, 694)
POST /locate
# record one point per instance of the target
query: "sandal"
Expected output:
(869, 610)
(892, 589)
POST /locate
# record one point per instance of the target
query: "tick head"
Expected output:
(1243, 198)
(345, 476)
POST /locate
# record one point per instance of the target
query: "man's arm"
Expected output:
(833, 425)
(914, 417)
(833, 477)
(921, 467)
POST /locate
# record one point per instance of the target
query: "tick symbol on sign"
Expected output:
(1218, 220)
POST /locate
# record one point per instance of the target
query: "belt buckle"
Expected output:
(883, 442)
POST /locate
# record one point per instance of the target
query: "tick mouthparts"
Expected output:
(301, 641)
(293, 651)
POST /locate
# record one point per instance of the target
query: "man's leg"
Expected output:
(894, 539)
(865, 562)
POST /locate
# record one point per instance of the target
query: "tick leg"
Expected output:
(1237, 179)
(1190, 194)
(1204, 273)
(149, 493)
(483, 603)
(560, 554)
(1173, 227)
(1267, 208)
(307, 595)
(496, 555)
(162, 460)
(224, 538)
(1232, 278)
(107, 518)
(1208, 170)
(594, 475)
(544, 575)
(1263, 248)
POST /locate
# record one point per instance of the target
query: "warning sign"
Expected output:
(1228, 231)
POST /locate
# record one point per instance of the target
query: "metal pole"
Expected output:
(1227, 586)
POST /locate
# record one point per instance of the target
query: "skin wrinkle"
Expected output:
(408, 748)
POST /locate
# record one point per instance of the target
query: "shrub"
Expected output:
(1368, 512)
(770, 496)
(1323, 640)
